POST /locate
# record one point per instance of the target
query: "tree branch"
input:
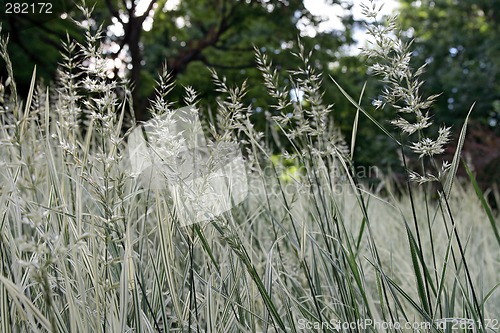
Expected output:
(194, 48)
(146, 13)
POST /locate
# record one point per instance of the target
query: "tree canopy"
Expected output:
(457, 39)
(189, 35)
(459, 42)
(195, 34)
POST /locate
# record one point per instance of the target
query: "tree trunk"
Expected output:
(134, 40)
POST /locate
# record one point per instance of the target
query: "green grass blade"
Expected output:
(456, 158)
(355, 124)
(416, 267)
(29, 101)
(18, 298)
(484, 202)
(368, 115)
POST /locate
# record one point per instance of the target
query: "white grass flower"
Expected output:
(392, 59)
(410, 128)
(417, 178)
(377, 103)
(429, 147)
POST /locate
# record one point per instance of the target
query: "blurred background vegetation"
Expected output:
(457, 39)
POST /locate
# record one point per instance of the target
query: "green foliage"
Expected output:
(35, 39)
(459, 37)
(269, 26)
(459, 42)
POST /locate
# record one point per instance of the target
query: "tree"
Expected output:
(196, 34)
(188, 36)
(459, 42)
(35, 37)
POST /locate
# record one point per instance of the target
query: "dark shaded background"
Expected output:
(457, 39)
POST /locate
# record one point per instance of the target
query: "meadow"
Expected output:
(87, 246)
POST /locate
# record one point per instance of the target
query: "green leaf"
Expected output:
(456, 158)
(484, 203)
(369, 116)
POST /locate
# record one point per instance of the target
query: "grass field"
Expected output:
(87, 247)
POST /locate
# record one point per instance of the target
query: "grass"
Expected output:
(86, 247)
